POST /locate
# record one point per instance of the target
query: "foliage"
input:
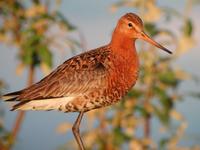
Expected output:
(156, 92)
(28, 25)
(35, 28)
(5, 136)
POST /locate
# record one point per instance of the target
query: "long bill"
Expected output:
(151, 41)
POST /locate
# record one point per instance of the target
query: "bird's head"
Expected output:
(131, 26)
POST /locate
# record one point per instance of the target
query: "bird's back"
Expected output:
(84, 82)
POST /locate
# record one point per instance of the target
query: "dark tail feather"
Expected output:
(16, 106)
(13, 93)
(11, 96)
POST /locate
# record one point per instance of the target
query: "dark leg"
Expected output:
(76, 133)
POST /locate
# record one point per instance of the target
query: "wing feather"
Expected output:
(78, 75)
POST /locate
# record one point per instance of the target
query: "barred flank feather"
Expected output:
(44, 104)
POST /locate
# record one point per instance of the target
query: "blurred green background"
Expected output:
(160, 112)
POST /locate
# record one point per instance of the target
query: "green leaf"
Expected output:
(142, 111)
(188, 28)
(162, 114)
(29, 47)
(151, 29)
(27, 54)
(163, 143)
(168, 78)
(164, 98)
(135, 93)
(45, 55)
(37, 2)
(119, 136)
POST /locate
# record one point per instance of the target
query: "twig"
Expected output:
(21, 114)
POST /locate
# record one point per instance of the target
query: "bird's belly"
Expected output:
(103, 96)
(90, 101)
(85, 105)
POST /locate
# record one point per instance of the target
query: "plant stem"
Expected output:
(21, 114)
(147, 127)
(147, 121)
(149, 95)
(2, 146)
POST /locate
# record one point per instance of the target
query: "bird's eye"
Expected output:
(130, 25)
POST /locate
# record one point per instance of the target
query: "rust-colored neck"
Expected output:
(127, 63)
(123, 45)
(120, 41)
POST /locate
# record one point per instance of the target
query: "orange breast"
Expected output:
(122, 77)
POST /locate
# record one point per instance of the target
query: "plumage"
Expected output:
(90, 80)
(48, 104)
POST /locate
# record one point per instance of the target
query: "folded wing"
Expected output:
(77, 76)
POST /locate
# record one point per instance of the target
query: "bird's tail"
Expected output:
(11, 96)
(35, 104)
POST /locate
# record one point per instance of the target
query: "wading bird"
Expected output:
(91, 80)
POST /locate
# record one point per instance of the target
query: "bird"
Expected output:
(94, 79)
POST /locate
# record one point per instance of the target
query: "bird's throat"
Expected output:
(123, 45)
(124, 49)
(119, 41)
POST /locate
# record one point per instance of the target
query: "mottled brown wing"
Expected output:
(78, 75)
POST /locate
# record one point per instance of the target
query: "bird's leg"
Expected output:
(76, 133)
